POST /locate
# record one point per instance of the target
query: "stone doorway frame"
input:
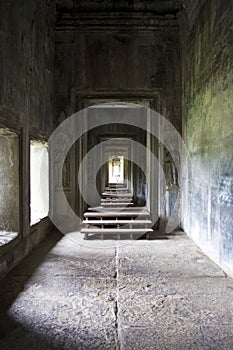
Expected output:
(81, 99)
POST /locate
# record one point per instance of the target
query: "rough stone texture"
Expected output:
(27, 52)
(26, 104)
(9, 181)
(96, 56)
(208, 130)
(16, 249)
(158, 7)
(117, 52)
(7, 236)
(125, 50)
(161, 294)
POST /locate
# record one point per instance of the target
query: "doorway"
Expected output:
(116, 169)
(125, 169)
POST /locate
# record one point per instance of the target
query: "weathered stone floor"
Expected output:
(158, 294)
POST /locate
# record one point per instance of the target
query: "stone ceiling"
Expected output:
(160, 7)
(126, 15)
(122, 15)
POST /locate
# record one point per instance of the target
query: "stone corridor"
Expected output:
(157, 294)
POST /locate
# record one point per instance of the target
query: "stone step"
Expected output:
(116, 200)
(117, 222)
(116, 231)
(117, 205)
(117, 209)
(131, 214)
(119, 185)
(117, 195)
(112, 200)
(109, 189)
(101, 209)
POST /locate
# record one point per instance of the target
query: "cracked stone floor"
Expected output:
(156, 294)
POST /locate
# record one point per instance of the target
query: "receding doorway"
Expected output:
(117, 167)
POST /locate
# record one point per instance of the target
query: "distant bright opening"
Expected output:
(39, 181)
(116, 169)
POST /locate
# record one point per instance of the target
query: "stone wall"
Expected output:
(118, 55)
(26, 99)
(207, 126)
(9, 181)
(108, 61)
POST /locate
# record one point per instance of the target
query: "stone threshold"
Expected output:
(7, 236)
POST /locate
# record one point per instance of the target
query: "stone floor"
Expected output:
(157, 294)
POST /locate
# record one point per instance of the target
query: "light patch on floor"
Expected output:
(158, 294)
